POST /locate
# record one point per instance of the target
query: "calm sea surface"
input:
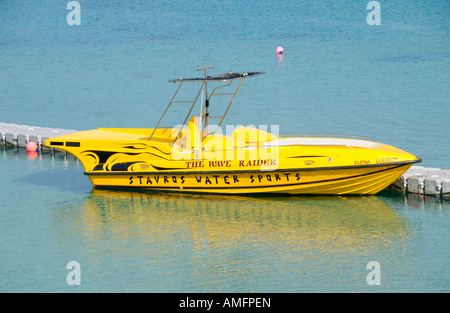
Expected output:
(338, 75)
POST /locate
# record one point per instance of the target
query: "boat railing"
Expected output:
(328, 136)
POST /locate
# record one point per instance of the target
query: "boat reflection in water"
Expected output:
(180, 242)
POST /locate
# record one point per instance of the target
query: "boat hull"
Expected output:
(126, 158)
(328, 181)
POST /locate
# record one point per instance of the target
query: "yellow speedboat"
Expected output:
(198, 157)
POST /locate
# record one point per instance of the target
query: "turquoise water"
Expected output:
(158, 242)
(338, 75)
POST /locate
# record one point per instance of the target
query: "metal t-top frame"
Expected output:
(204, 112)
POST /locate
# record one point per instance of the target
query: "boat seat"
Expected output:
(252, 135)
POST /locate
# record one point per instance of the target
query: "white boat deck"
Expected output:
(322, 142)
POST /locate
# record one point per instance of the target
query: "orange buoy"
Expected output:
(279, 50)
(32, 146)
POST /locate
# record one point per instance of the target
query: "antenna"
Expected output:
(205, 65)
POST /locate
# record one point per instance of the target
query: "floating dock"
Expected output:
(425, 181)
(20, 135)
(417, 180)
